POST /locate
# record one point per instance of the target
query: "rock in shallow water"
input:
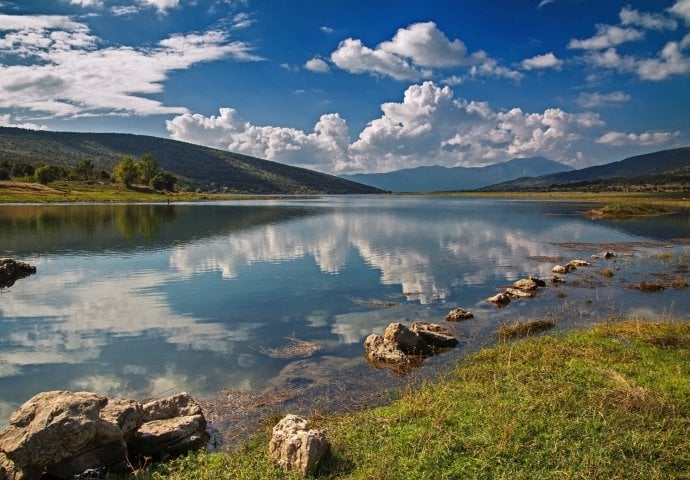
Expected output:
(13, 270)
(458, 315)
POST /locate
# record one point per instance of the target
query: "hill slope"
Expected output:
(638, 169)
(205, 167)
(437, 178)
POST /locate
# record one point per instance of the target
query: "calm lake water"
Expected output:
(148, 300)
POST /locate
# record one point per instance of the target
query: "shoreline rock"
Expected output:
(66, 433)
(294, 446)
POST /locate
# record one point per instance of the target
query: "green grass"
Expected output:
(627, 210)
(63, 191)
(607, 403)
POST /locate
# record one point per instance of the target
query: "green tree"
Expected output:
(126, 172)
(164, 181)
(84, 169)
(47, 173)
(23, 170)
(148, 168)
(5, 170)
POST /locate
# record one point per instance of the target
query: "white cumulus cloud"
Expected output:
(87, 3)
(682, 9)
(353, 56)
(621, 139)
(412, 53)
(426, 46)
(429, 126)
(670, 61)
(547, 60)
(161, 5)
(323, 148)
(317, 65)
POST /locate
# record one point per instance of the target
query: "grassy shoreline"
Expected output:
(78, 192)
(612, 401)
(73, 192)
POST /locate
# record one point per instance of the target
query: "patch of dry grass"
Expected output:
(523, 329)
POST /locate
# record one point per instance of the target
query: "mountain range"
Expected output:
(663, 167)
(196, 166)
(437, 178)
(219, 170)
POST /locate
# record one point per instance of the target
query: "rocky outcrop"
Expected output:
(608, 255)
(13, 270)
(294, 446)
(458, 315)
(66, 433)
(401, 347)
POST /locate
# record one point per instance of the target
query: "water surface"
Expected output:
(147, 300)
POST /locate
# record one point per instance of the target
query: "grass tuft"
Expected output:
(523, 329)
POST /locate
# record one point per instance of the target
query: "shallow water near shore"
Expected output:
(149, 300)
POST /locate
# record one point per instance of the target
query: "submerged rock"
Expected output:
(500, 300)
(526, 284)
(66, 433)
(436, 336)
(12, 270)
(515, 293)
(563, 269)
(294, 446)
(458, 315)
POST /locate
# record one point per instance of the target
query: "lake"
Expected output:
(149, 300)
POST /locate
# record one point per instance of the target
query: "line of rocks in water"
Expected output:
(402, 348)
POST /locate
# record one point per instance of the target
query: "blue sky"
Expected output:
(356, 86)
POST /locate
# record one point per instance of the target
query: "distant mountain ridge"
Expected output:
(437, 178)
(665, 163)
(196, 165)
